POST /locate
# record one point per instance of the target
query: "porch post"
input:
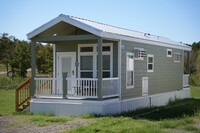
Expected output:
(99, 83)
(188, 62)
(64, 85)
(119, 68)
(188, 66)
(33, 66)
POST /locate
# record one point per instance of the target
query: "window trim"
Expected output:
(177, 61)
(131, 86)
(94, 53)
(150, 55)
(168, 54)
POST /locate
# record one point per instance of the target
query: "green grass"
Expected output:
(8, 83)
(119, 125)
(195, 92)
(7, 101)
(178, 115)
(42, 119)
(174, 116)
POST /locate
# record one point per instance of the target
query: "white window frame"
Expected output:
(94, 53)
(150, 55)
(131, 86)
(177, 61)
(168, 54)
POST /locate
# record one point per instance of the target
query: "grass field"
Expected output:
(195, 92)
(7, 101)
(178, 116)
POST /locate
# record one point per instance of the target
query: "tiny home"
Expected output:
(103, 69)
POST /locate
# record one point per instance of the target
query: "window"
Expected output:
(129, 70)
(105, 48)
(169, 52)
(88, 57)
(86, 66)
(106, 66)
(150, 63)
(140, 53)
(86, 49)
(177, 57)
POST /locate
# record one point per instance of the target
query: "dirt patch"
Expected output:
(5, 120)
(7, 126)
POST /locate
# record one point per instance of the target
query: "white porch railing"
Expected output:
(186, 80)
(48, 87)
(76, 87)
(110, 87)
(82, 87)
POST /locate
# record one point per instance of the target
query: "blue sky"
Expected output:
(178, 20)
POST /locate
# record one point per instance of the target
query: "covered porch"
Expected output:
(86, 66)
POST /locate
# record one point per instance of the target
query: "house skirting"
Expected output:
(62, 107)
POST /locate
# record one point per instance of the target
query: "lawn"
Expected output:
(195, 92)
(178, 116)
(7, 101)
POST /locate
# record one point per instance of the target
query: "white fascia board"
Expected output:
(139, 40)
(68, 20)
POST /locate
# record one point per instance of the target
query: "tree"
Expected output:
(7, 45)
(44, 58)
(21, 59)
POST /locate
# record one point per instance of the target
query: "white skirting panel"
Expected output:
(114, 106)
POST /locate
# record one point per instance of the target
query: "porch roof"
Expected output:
(110, 32)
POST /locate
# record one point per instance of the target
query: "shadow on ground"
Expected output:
(177, 109)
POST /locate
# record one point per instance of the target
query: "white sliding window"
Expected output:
(129, 70)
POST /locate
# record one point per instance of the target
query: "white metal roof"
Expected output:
(108, 31)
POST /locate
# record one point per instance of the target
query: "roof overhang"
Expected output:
(100, 33)
(66, 19)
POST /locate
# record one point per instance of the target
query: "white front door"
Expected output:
(66, 64)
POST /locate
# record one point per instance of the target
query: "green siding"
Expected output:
(167, 75)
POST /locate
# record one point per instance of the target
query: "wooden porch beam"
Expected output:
(65, 38)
